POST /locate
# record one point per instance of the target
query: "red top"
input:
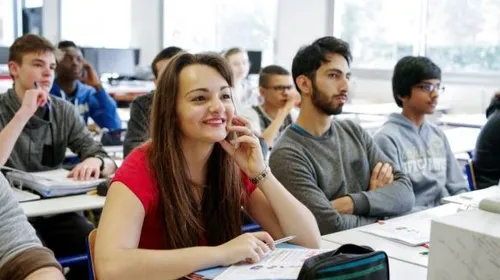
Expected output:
(135, 174)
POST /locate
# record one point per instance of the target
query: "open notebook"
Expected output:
(411, 236)
(51, 183)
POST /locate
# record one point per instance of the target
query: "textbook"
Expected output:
(50, 183)
(282, 263)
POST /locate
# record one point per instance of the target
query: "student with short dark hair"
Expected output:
(271, 117)
(35, 131)
(78, 83)
(487, 152)
(333, 166)
(415, 145)
(138, 125)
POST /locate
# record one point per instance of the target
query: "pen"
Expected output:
(425, 253)
(284, 239)
(47, 105)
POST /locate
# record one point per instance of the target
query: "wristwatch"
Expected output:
(101, 168)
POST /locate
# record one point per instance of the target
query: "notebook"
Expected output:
(23, 196)
(400, 233)
(51, 183)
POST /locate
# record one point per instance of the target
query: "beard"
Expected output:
(320, 100)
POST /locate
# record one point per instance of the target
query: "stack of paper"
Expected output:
(51, 183)
(410, 236)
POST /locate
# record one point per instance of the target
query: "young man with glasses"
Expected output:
(415, 145)
(273, 115)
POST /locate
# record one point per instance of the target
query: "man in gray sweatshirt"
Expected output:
(22, 255)
(35, 131)
(334, 167)
(415, 145)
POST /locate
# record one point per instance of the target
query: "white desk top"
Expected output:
(67, 204)
(380, 109)
(130, 87)
(472, 198)
(398, 269)
(462, 139)
(395, 250)
(463, 120)
(111, 150)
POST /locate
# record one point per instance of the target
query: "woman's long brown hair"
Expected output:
(219, 219)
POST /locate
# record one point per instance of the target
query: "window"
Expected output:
(215, 25)
(459, 35)
(83, 23)
(6, 22)
(463, 35)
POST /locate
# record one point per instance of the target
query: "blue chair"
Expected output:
(68, 261)
(469, 172)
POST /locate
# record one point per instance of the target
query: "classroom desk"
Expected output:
(463, 120)
(395, 250)
(126, 92)
(472, 198)
(462, 139)
(111, 150)
(59, 205)
(380, 109)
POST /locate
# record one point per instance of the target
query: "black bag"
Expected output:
(348, 262)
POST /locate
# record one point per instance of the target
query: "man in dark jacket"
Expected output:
(487, 153)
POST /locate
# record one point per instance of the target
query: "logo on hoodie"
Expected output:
(432, 158)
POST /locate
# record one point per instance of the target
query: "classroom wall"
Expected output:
(299, 22)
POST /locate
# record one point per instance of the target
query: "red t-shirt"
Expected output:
(135, 174)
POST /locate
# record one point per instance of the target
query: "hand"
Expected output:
(292, 102)
(344, 205)
(91, 79)
(34, 98)
(86, 170)
(381, 176)
(249, 247)
(245, 148)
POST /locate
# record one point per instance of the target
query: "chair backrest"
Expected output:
(90, 253)
(469, 171)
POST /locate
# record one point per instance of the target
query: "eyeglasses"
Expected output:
(430, 88)
(280, 88)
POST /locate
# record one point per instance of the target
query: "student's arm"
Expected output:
(298, 177)
(389, 148)
(80, 141)
(455, 181)
(137, 127)
(392, 199)
(272, 131)
(117, 255)
(33, 99)
(21, 253)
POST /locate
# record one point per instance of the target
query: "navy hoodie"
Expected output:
(487, 153)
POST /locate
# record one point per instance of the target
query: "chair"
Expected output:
(90, 254)
(469, 171)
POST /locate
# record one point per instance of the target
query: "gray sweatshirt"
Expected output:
(21, 252)
(43, 141)
(425, 156)
(318, 170)
(138, 125)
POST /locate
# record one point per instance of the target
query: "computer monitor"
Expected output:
(255, 58)
(120, 61)
(4, 55)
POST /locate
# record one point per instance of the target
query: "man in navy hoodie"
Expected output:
(416, 146)
(487, 153)
(84, 91)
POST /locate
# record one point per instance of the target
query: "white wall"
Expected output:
(147, 25)
(50, 21)
(299, 23)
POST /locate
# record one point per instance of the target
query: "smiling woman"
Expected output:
(179, 196)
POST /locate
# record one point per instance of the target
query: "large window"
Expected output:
(459, 35)
(214, 25)
(97, 23)
(6, 22)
